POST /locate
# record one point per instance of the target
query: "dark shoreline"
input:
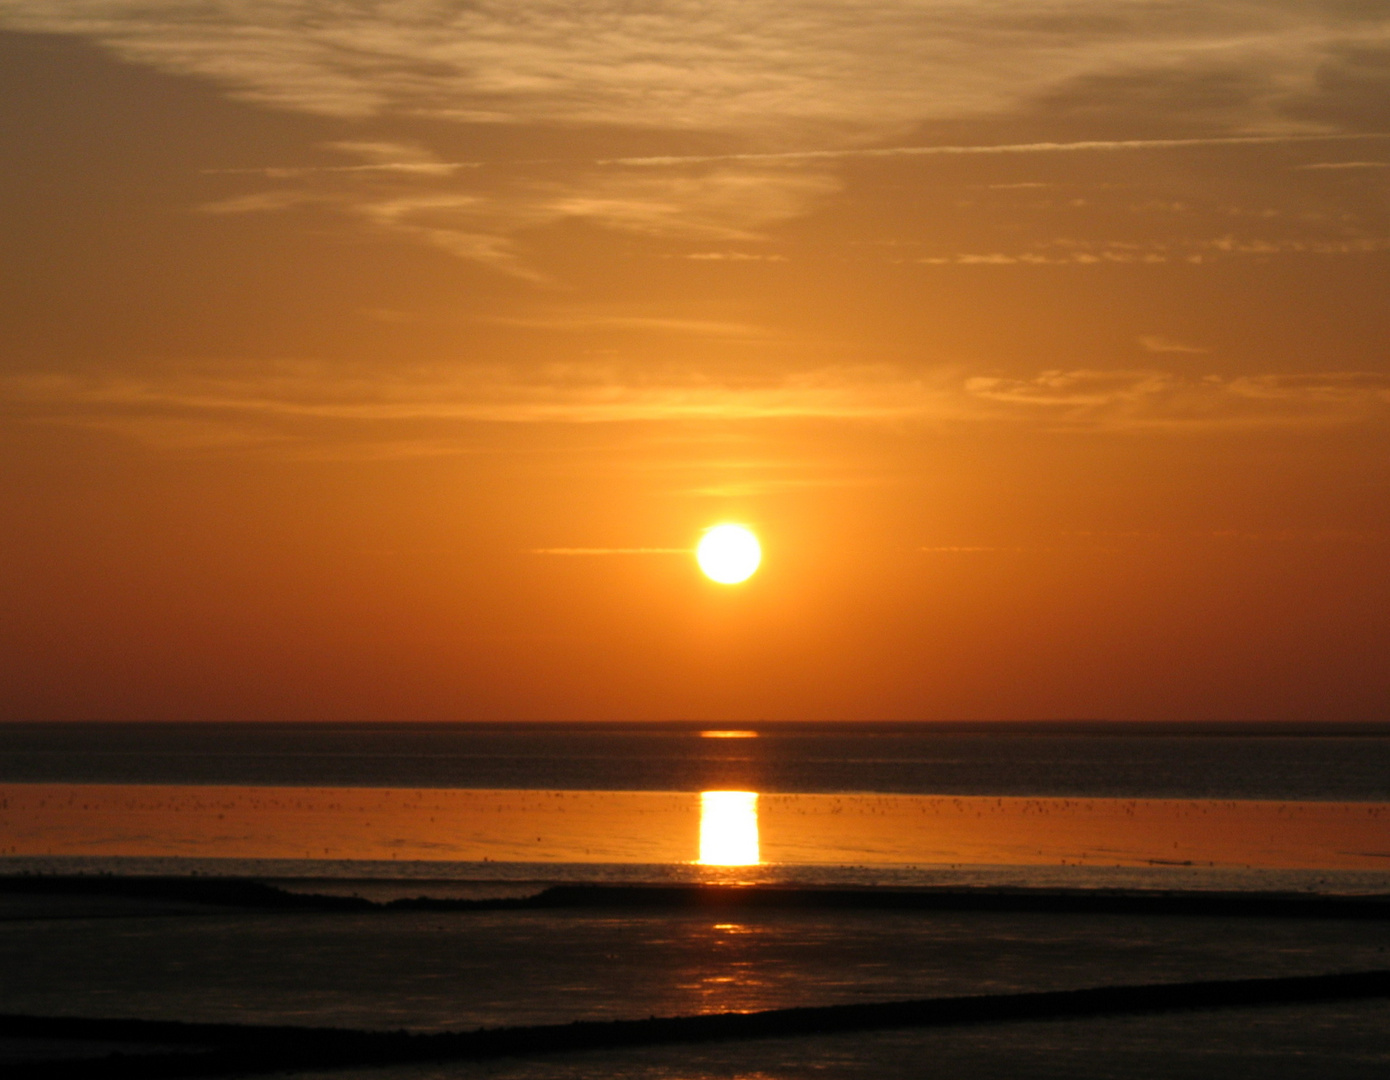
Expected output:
(251, 893)
(228, 1049)
(114, 1048)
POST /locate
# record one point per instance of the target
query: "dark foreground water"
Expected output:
(869, 806)
(1348, 1042)
(461, 970)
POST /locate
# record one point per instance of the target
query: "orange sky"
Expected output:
(1044, 345)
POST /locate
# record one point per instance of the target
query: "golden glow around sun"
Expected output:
(729, 828)
(729, 554)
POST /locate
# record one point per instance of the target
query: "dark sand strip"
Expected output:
(1049, 901)
(245, 1050)
(252, 894)
(223, 892)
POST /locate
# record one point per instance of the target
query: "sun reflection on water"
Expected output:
(729, 828)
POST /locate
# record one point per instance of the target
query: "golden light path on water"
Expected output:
(729, 828)
(714, 828)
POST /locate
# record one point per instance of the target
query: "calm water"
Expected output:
(1348, 1041)
(462, 970)
(452, 971)
(862, 804)
(384, 811)
(1065, 761)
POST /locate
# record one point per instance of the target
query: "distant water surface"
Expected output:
(1271, 762)
(678, 828)
(835, 803)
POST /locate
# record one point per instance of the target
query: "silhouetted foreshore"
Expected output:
(250, 893)
(234, 1049)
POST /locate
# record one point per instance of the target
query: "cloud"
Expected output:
(1351, 86)
(588, 321)
(1078, 147)
(382, 157)
(725, 204)
(611, 551)
(1074, 389)
(953, 550)
(1346, 165)
(1157, 400)
(403, 192)
(1072, 252)
(1160, 345)
(1335, 387)
(732, 256)
(432, 166)
(481, 224)
(556, 393)
(753, 105)
(752, 66)
(426, 410)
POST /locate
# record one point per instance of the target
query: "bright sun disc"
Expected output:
(729, 828)
(729, 554)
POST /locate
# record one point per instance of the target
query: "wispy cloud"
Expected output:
(732, 256)
(751, 66)
(756, 106)
(382, 157)
(482, 224)
(559, 393)
(1073, 252)
(611, 551)
(432, 166)
(1338, 165)
(1158, 400)
(1160, 345)
(968, 550)
(1082, 146)
(299, 403)
(588, 321)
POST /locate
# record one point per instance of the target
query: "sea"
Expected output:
(507, 811)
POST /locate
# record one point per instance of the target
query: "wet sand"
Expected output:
(145, 952)
(224, 1050)
(187, 893)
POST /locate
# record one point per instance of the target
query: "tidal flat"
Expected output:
(85, 953)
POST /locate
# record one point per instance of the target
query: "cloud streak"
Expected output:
(1082, 146)
(1155, 344)
(612, 551)
(1338, 165)
(211, 410)
(481, 224)
(436, 168)
(1070, 252)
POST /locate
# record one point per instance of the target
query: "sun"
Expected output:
(729, 554)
